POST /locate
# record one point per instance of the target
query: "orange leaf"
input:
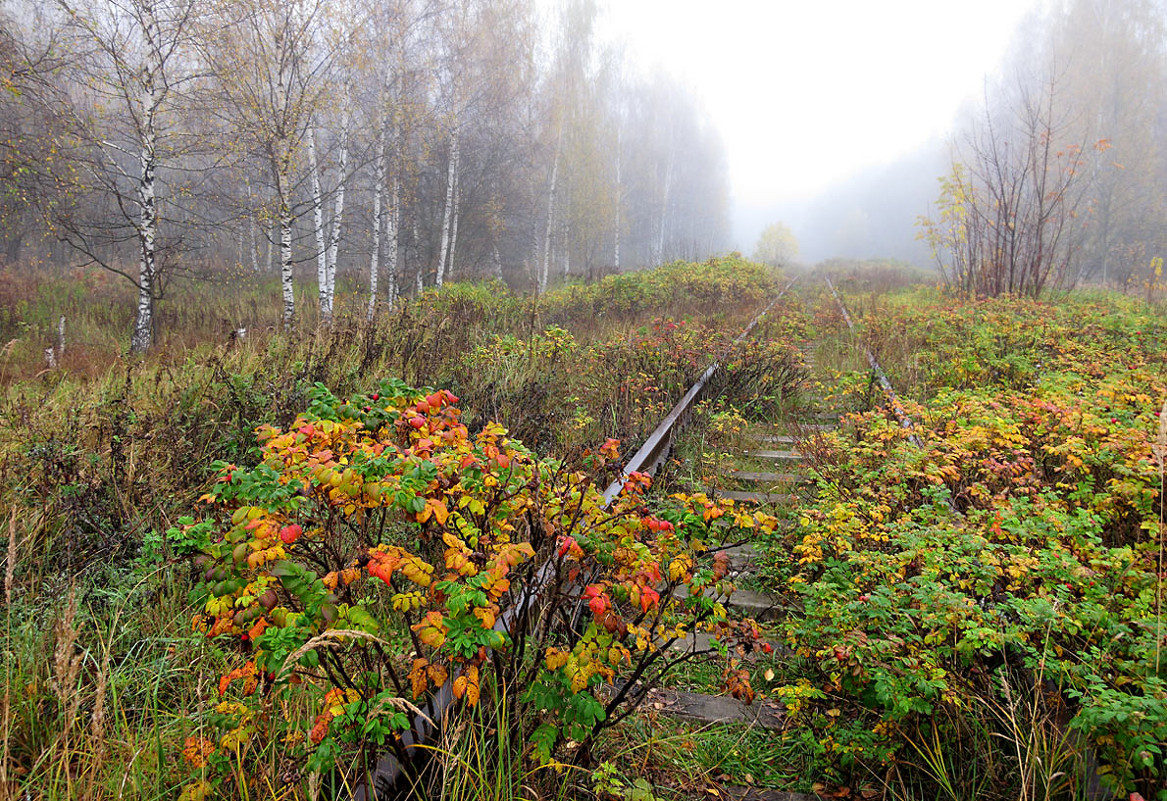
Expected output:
(418, 676)
(487, 617)
(439, 509)
(472, 685)
(556, 658)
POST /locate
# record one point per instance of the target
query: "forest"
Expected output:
(385, 413)
(409, 143)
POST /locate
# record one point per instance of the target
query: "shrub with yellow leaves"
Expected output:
(379, 553)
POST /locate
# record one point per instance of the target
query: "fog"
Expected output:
(818, 103)
(542, 141)
(871, 214)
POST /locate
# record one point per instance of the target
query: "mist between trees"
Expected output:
(1053, 177)
(413, 140)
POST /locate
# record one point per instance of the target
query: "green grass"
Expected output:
(98, 456)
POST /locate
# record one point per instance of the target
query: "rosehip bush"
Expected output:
(379, 553)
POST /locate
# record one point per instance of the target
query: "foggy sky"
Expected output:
(810, 95)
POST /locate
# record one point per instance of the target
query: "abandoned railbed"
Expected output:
(389, 775)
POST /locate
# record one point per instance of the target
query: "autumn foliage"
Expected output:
(379, 551)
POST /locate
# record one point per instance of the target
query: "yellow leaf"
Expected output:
(472, 685)
(556, 658)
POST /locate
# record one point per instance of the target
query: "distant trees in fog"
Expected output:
(1060, 177)
(412, 141)
(777, 246)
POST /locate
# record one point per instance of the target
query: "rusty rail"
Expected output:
(647, 459)
(897, 409)
(905, 421)
(660, 442)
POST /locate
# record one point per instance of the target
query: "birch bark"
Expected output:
(546, 269)
(285, 221)
(616, 205)
(454, 225)
(318, 228)
(447, 214)
(393, 222)
(378, 218)
(143, 335)
(337, 218)
(664, 212)
(151, 99)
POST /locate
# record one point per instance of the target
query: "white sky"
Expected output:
(806, 92)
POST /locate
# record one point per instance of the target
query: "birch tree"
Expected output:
(327, 235)
(272, 69)
(435, 140)
(133, 65)
(31, 126)
(449, 213)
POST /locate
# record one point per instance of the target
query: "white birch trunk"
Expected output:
(285, 223)
(337, 215)
(619, 195)
(318, 227)
(251, 225)
(447, 214)
(254, 246)
(664, 212)
(143, 335)
(544, 273)
(417, 256)
(454, 225)
(566, 248)
(393, 226)
(378, 191)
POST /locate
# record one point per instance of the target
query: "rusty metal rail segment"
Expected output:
(900, 414)
(1093, 779)
(660, 442)
(897, 409)
(388, 773)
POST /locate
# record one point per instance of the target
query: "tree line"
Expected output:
(412, 141)
(1057, 178)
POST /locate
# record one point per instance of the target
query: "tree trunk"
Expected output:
(285, 223)
(543, 275)
(417, 256)
(378, 191)
(454, 225)
(143, 336)
(251, 225)
(566, 248)
(619, 192)
(393, 224)
(659, 256)
(448, 213)
(337, 215)
(318, 228)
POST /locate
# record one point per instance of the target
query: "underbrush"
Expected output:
(103, 672)
(984, 614)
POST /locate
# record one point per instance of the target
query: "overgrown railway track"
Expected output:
(390, 779)
(775, 462)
